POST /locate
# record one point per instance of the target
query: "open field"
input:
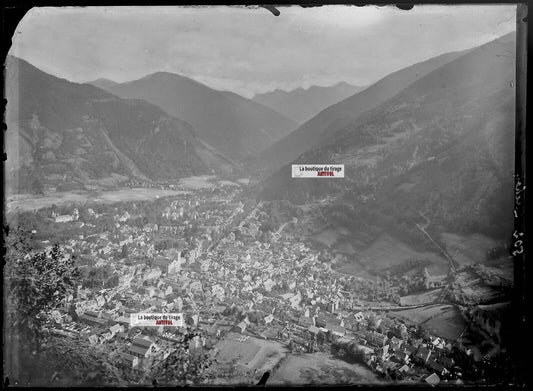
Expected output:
(346, 248)
(253, 357)
(197, 182)
(420, 315)
(354, 268)
(449, 324)
(387, 251)
(230, 349)
(330, 236)
(421, 298)
(320, 368)
(384, 253)
(27, 202)
(442, 320)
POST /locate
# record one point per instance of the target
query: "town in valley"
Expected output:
(223, 196)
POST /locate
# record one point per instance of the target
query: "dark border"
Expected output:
(12, 12)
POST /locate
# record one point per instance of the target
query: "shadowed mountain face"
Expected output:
(444, 147)
(102, 83)
(234, 125)
(303, 104)
(66, 136)
(335, 117)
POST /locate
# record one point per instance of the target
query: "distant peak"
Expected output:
(105, 79)
(164, 75)
(169, 75)
(310, 88)
(160, 74)
(343, 83)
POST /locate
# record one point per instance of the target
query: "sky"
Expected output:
(249, 50)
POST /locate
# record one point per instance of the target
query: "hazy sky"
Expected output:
(249, 50)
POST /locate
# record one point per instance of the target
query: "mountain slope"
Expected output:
(328, 121)
(303, 104)
(232, 124)
(262, 115)
(102, 83)
(443, 147)
(70, 136)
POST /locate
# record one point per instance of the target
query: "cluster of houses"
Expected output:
(296, 294)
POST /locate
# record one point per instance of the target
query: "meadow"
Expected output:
(29, 202)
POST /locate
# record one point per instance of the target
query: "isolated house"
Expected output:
(268, 319)
(64, 219)
(241, 327)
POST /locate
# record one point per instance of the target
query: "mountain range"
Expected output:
(442, 147)
(65, 136)
(434, 139)
(333, 118)
(234, 125)
(303, 104)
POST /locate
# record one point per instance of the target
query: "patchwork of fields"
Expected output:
(445, 321)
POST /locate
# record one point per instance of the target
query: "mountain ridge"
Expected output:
(328, 120)
(237, 126)
(63, 135)
(301, 104)
(443, 147)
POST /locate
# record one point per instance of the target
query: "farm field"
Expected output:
(320, 368)
(445, 321)
(384, 253)
(387, 251)
(28, 202)
(449, 324)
